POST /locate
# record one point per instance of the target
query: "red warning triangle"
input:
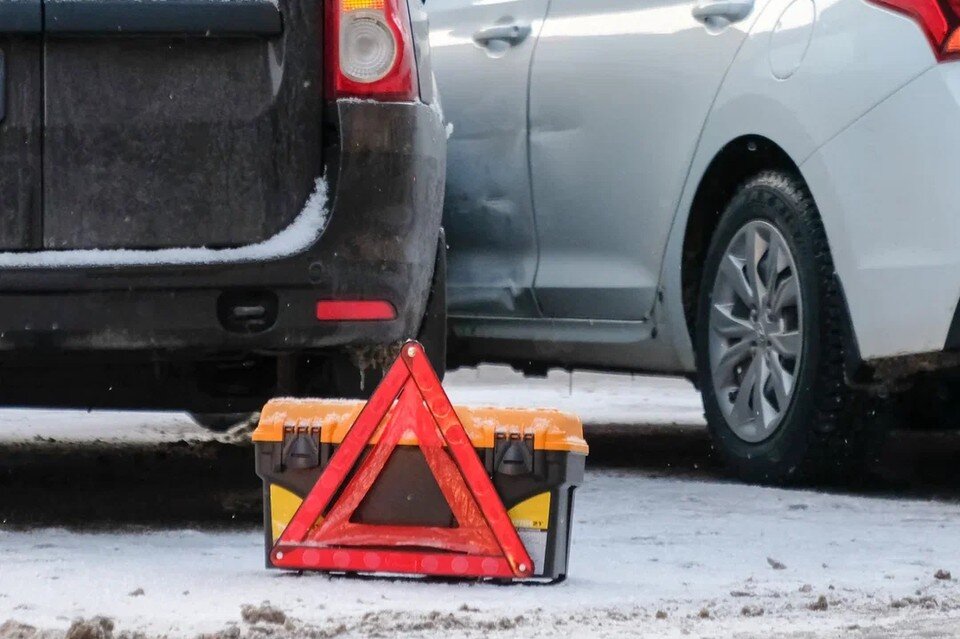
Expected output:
(483, 544)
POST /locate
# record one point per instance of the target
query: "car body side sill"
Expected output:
(557, 330)
(537, 344)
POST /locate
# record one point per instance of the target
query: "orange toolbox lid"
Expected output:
(551, 429)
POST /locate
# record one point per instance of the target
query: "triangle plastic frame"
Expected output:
(484, 544)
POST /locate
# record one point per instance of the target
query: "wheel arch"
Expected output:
(730, 167)
(726, 156)
(724, 171)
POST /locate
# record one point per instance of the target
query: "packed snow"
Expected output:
(597, 398)
(641, 545)
(652, 555)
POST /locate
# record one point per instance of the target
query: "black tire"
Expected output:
(221, 422)
(826, 432)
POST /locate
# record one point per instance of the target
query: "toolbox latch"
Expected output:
(301, 448)
(513, 454)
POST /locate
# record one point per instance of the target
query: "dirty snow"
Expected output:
(299, 235)
(652, 556)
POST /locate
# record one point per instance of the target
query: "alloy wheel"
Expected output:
(756, 331)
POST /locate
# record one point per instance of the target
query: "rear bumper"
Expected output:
(886, 187)
(385, 176)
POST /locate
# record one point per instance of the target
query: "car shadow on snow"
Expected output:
(99, 485)
(211, 483)
(914, 464)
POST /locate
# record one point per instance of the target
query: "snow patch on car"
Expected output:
(299, 235)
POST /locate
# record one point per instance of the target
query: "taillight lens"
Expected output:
(370, 50)
(939, 19)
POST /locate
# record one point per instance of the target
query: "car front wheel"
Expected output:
(771, 334)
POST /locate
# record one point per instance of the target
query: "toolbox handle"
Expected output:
(513, 454)
(302, 451)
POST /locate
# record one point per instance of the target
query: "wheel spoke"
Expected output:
(786, 295)
(742, 414)
(732, 269)
(725, 324)
(756, 247)
(763, 412)
(773, 263)
(787, 343)
(723, 371)
(780, 380)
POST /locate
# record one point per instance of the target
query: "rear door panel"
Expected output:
(21, 108)
(619, 93)
(172, 123)
(488, 214)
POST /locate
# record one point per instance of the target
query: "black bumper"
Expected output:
(161, 336)
(385, 176)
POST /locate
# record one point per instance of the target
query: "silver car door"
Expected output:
(619, 93)
(481, 56)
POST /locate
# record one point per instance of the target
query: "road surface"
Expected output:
(126, 524)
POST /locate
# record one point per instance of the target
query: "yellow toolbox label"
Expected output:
(533, 513)
(283, 506)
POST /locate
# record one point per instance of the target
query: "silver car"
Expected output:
(755, 193)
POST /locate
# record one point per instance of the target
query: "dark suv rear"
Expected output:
(204, 204)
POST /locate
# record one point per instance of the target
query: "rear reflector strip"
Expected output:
(355, 310)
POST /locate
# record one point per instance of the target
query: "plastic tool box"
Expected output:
(535, 459)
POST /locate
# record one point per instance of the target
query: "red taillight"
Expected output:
(355, 310)
(939, 19)
(369, 50)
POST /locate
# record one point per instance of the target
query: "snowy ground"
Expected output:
(599, 399)
(657, 551)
